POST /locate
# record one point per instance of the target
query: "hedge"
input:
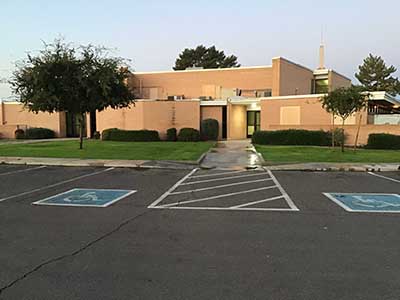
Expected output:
(171, 134)
(188, 135)
(209, 129)
(114, 134)
(292, 137)
(383, 141)
(35, 133)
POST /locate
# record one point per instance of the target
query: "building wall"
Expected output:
(213, 112)
(152, 115)
(337, 80)
(313, 117)
(195, 83)
(237, 121)
(14, 114)
(290, 78)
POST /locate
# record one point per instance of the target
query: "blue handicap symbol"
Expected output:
(367, 201)
(86, 197)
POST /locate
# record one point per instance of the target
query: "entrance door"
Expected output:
(73, 125)
(253, 122)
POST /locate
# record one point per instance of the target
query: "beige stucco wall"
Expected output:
(213, 112)
(196, 83)
(237, 121)
(152, 115)
(290, 78)
(14, 114)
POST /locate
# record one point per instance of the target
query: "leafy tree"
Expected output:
(344, 102)
(208, 58)
(77, 80)
(374, 75)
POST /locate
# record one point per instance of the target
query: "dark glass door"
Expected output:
(73, 125)
(253, 122)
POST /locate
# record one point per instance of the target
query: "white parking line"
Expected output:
(55, 184)
(219, 196)
(225, 208)
(220, 186)
(285, 195)
(384, 177)
(217, 174)
(259, 201)
(167, 193)
(24, 170)
(225, 178)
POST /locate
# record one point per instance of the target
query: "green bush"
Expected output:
(19, 134)
(171, 134)
(209, 129)
(338, 137)
(39, 133)
(114, 134)
(96, 135)
(188, 135)
(383, 141)
(292, 137)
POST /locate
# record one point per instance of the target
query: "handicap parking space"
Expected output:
(226, 190)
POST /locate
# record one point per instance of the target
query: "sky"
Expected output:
(153, 33)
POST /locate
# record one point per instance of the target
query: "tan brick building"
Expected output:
(245, 99)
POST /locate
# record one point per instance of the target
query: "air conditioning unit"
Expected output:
(176, 97)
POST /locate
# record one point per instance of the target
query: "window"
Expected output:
(320, 86)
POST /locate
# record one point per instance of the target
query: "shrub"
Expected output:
(339, 133)
(383, 141)
(19, 134)
(292, 137)
(39, 133)
(114, 134)
(209, 129)
(171, 134)
(188, 135)
(96, 135)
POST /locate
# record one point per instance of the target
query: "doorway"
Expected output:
(253, 122)
(73, 124)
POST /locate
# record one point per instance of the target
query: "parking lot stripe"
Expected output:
(384, 177)
(56, 184)
(224, 208)
(167, 193)
(259, 201)
(24, 170)
(219, 196)
(220, 186)
(225, 178)
(282, 190)
(217, 174)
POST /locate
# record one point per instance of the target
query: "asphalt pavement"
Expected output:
(196, 234)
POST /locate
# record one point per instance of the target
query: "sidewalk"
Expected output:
(76, 162)
(12, 142)
(232, 154)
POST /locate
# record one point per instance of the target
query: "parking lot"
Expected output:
(203, 234)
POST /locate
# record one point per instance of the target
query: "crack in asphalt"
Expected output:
(74, 253)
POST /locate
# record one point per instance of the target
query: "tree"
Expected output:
(374, 75)
(344, 102)
(207, 58)
(77, 80)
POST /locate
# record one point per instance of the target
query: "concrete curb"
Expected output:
(335, 167)
(65, 162)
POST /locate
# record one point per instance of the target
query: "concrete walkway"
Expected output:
(232, 154)
(12, 142)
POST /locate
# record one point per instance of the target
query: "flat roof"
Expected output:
(203, 70)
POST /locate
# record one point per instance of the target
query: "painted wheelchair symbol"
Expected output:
(90, 196)
(373, 203)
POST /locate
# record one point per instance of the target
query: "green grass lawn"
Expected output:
(110, 150)
(302, 154)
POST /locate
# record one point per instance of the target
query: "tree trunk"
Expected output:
(81, 130)
(333, 130)
(343, 135)
(358, 132)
